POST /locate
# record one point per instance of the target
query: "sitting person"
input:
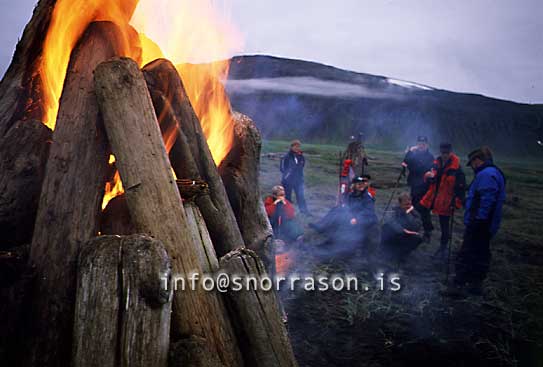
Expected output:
(282, 216)
(361, 204)
(354, 223)
(400, 234)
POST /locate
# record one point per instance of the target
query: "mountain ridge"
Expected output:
(290, 97)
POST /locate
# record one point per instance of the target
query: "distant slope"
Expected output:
(293, 98)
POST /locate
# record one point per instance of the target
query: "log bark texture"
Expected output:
(20, 86)
(240, 171)
(122, 314)
(258, 318)
(23, 155)
(70, 200)
(154, 202)
(190, 154)
(194, 352)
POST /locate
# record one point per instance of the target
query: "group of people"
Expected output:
(437, 186)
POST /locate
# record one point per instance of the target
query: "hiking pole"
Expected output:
(392, 195)
(450, 246)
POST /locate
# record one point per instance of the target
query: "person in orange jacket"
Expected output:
(282, 215)
(446, 192)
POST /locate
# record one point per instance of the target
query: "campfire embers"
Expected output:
(109, 107)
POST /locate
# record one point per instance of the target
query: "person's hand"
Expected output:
(353, 221)
(280, 199)
(406, 231)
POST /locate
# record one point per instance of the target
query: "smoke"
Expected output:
(307, 86)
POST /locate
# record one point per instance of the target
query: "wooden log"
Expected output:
(20, 86)
(70, 200)
(190, 155)
(194, 352)
(116, 218)
(154, 202)
(123, 305)
(240, 171)
(23, 154)
(257, 315)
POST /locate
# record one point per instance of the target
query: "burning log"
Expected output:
(19, 89)
(122, 314)
(70, 200)
(23, 151)
(257, 314)
(153, 199)
(190, 154)
(239, 172)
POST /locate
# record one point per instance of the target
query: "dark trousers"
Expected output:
(397, 248)
(417, 193)
(474, 257)
(444, 224)
(298, 188)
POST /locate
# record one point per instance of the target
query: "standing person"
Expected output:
(482, 218)
(418, 161)
(292, 168)
(401, 233)
(446, 192)
(361, 204)
(282, 216)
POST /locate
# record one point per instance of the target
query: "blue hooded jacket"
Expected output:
(485, 198)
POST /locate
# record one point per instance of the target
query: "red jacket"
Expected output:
(440, 194)
(270, 207)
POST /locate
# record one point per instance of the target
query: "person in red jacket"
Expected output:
(282, 216)
(446, 191)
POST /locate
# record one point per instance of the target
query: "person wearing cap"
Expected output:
(446, 192)
(418, 161)
(361, 204)
(292, 169)
(482, 218)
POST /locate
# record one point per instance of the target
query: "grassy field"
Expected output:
(416, 325)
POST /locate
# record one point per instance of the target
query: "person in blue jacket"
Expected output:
(482, 218)
(292, 169)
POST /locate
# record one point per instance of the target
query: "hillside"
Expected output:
(293, 98)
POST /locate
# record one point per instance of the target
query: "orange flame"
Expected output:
(183, 31)
(197, 33)
(69, 20)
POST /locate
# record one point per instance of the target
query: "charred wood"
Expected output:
(70, 200)
(20, 86)
(23, 155)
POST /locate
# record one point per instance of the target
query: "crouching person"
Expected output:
(401, 233)
(282, 216)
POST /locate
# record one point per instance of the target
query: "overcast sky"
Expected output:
(491, 47)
